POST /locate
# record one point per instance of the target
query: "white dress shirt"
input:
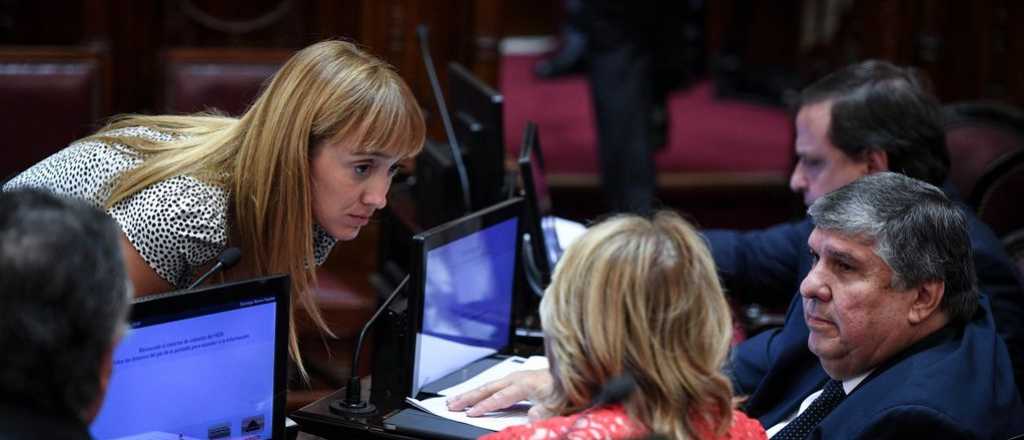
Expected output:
(848, 386)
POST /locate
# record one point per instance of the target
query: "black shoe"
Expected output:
(570, 58)
(559, 65)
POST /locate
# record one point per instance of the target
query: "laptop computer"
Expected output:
(207, 363)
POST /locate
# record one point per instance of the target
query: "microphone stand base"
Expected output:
(342, 408)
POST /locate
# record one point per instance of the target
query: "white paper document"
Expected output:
(497, 371)
(568, 231)
(432, 366)
(495, 421)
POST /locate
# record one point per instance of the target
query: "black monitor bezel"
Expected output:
(532, 212)
(440, 236)
(478, 115)
(188, 301)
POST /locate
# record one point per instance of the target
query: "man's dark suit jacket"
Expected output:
(973, 389)
(19, 422)
(766, 266)
(955, 383)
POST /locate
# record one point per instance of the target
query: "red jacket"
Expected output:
(612, 422)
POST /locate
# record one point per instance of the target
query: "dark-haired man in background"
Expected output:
(64, 297)
(865, 118)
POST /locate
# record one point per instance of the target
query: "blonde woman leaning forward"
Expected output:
(638, 296)
(306, 165)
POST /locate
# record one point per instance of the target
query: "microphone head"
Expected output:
(229, 257)
(615, 390)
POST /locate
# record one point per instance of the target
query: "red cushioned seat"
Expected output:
(48, 98)
(224, 79)
(1000, 190)
(977, 135)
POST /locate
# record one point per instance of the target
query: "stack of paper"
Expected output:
(495, 421)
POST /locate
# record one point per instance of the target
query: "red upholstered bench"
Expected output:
(227, 79)
(49, 96)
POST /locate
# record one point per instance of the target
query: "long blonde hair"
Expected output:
(641, 296)
(324, 93)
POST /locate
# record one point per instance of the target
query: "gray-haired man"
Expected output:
(64, 297)
(900, 345)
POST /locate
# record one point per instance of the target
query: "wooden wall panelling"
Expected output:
(999, 58)
(338, 19)
(966, 49)
(40, 23)
(481, 49)
(989, 33)
(95, 21)
(949, 44)
(869, 29)
(1014, 51)
(237, 23)
(385, 30)
(389, 30)
(875, 29)
(774, 33)
(225, 78)
(134, 34)
(763, 32)
(754, 47)
(137, 32)
(49, 96)
(530, 17)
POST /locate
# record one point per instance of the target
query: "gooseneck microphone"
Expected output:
(615, 390)
(228, 258)
(460, 166)
(353, 403)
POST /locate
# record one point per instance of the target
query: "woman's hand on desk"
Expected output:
(502, 393)
(539, 412)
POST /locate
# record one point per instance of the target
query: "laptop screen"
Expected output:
(468, 286)
(201, 364)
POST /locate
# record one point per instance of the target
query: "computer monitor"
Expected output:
(456, 311)
(537, 239)
(462, 290)
(206, 363)
(437, 190)
(478, 123)
(477, 120)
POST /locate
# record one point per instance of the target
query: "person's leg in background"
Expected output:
(571, 55)
(624, 87)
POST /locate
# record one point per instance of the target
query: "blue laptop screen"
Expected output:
(201, 374)
(467, 302)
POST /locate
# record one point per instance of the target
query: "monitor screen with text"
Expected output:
(202, 373)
